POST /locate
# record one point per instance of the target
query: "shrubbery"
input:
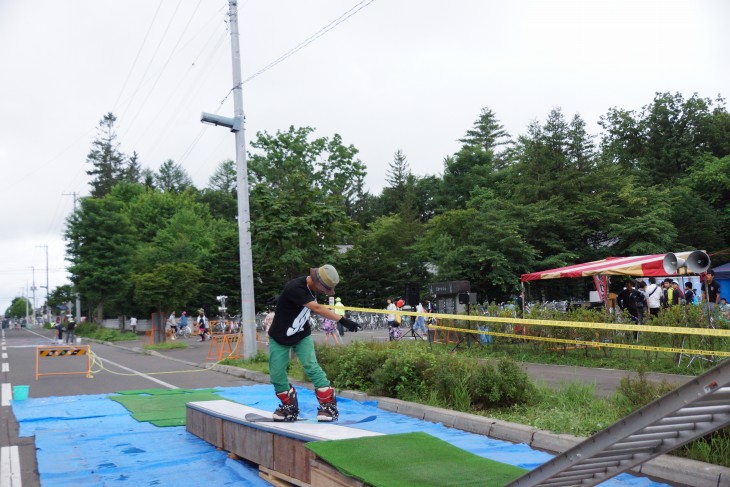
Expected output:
(411, 371)
(96, 332)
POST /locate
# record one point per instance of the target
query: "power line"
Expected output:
(134, 63)
(164, 66)
(154, 55)
(352, 11)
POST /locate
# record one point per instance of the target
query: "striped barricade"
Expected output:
(55, 351)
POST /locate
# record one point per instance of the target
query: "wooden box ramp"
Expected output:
(278, 448)
(693, 410)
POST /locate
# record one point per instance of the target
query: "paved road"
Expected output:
(124, 367)
(120, 369)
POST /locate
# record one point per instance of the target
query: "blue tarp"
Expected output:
(91, 440)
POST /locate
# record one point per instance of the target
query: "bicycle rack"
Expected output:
(691, 411)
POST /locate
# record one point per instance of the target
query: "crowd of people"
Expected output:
(642, 300)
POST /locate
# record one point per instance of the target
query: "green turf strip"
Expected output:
(162, 407)
(161, 392)
(409, 459)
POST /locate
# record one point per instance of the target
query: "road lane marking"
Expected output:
(10, 467)
(6, 367)
(141, 374)
(6, 391)
(5, 355)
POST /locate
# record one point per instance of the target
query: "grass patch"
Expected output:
(260, 363)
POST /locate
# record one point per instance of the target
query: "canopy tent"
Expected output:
(642, 265)
(722, 277)
(722, 271)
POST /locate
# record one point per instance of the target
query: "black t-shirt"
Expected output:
(291, 321)
(714, 289)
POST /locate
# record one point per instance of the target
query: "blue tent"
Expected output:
(722, 276)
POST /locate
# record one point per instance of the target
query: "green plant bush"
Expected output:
(404, 373)
(96, 332)
(636, 391)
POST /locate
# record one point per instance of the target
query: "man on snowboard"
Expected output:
(291, 330)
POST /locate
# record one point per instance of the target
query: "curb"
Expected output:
(666, 468)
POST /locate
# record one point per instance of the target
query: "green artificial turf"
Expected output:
(162, 407)
(408, 459)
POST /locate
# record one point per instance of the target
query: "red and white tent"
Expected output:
(642, 265)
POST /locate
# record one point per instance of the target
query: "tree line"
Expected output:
(654, 180)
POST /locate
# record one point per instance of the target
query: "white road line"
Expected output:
(6, 391)
(4, 348)
(5, 355)
(6, 367)
(162, 383)
(10, 467)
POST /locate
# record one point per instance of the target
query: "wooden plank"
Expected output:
(291, 458)
(250, 443)
(322, 474)
(204, 426)
(278, 479)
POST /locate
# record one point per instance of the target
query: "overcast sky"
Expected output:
(387, 75)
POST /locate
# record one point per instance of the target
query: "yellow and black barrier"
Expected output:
(672, 330)
(63, 351)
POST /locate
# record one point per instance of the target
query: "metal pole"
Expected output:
(248, 311)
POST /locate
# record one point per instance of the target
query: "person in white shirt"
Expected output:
(653, 296)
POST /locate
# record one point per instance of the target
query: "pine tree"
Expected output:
(133, 171)
(398, 171)
(487, 133)
(172, 178)
(107, 161)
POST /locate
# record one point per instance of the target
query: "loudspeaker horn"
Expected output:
(698, 262)
(672, 263)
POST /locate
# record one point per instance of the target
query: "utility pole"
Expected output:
(236, 124)
(33, 288)
(78, 297)
(48, 289)
(75, 195)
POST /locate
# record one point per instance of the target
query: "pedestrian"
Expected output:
(291, 330)
(340, 310)
(689, 294)
(629, 299)
(393, 326)
(133, 324)
(202, 322)
(171, 327)
(59, 330)
(419, 326)
(711, 290)
(329, 327)
(70, 329)
(268, 320)
(654, 296)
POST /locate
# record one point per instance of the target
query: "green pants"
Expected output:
(279, 361)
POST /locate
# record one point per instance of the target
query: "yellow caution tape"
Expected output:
(585, 342)
(677, 330)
